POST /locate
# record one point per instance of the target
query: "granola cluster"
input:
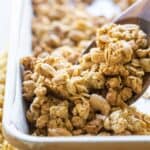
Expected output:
(89, 98)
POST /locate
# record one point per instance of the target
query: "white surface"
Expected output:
(4, 23)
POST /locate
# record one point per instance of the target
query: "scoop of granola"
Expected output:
(89, 97)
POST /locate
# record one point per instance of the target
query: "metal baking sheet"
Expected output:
(15, 126)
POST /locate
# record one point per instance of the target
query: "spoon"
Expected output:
(139, 14)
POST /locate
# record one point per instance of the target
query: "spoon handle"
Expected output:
(139, 10)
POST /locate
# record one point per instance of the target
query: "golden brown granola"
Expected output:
(62, 26)
(89, 98)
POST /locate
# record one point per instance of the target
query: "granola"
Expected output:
(89, 98)
(51, 26)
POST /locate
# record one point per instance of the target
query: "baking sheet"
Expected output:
(13, 123)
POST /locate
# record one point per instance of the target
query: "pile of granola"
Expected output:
(89, 98)
(63, 28)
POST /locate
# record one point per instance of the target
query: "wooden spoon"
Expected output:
(138, 13)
